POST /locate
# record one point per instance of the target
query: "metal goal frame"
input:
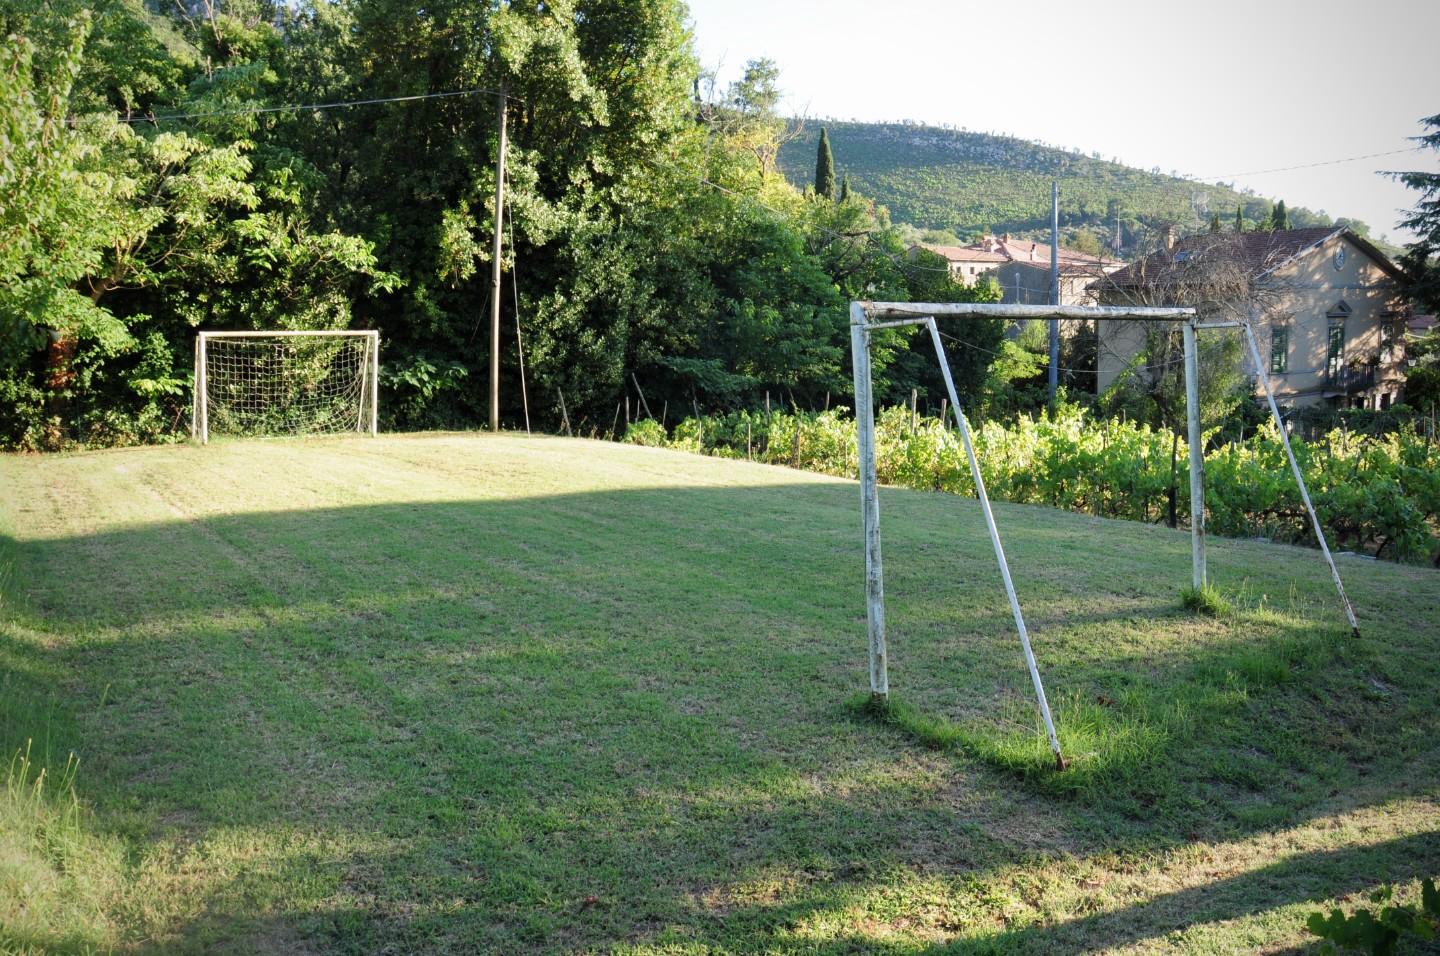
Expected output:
(866, 317)
(368, 421)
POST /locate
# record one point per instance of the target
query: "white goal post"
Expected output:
(868, 316)
(286, 383)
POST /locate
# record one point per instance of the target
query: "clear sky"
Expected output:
(1210, 88)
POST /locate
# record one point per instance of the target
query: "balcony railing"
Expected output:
(1349, 380)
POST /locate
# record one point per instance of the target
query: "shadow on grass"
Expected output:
(500, 709)
(1303, 878)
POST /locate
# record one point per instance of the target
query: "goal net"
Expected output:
(285, 383)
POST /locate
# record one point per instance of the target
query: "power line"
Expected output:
(308, 107)
(1326, 162)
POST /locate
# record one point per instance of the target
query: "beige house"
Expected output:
(1021, 268)
(1331, 322)
(966, 263)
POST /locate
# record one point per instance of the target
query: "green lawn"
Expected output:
(458, 693)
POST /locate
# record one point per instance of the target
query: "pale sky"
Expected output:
(1211, 88)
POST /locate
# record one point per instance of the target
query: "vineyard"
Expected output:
(1375, 494)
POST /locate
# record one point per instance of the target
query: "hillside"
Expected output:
(937, 178)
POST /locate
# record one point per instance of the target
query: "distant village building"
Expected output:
(967, 263)
(1332, 327)
(1021, 268)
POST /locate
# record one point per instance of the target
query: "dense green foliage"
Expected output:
(1421, 262)
(120, 238)
(1380, 932)
(1378, 494)
(162, 186)
(1422, 257)
(966, 182)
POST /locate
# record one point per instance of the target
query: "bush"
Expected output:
(648, 432)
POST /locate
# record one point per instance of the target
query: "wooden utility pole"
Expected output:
(495, 269)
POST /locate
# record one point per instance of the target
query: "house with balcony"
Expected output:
(1329, 317)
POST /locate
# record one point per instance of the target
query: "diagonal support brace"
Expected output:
(1299, 477)
(999, 549)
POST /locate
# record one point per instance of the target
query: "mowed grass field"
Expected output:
(494, 694)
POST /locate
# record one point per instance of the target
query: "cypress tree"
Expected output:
(1279, 217)
(1214, 222)
(845, 188)
(1239, 220)
(824, 167)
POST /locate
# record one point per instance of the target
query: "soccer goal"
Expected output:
(286, 383)
(866, 317)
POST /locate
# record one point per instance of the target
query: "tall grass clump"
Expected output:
(1206, 600)
(54, 876)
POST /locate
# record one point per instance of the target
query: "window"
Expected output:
(1279, 351)
(1384, 400)
(1387, 341)
(1335, 353)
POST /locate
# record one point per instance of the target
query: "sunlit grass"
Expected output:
(491, 694)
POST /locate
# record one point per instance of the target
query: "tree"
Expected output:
(747, 116)
(1421, 262)
(1214, 222)
(845, 188)
(1239, 220)
(125, 236)
(1084, 240)
(824, 167)
(1421, 259)
(1279, 218)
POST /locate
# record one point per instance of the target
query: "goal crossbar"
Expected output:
(322, 333)
(866, 317)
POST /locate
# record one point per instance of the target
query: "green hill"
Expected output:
(937, 178)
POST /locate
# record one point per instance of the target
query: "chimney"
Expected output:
(1167, 236)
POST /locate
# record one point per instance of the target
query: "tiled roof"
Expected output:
(1003, 250)
(1259, 252)
(964, 253)
(1025, 250)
